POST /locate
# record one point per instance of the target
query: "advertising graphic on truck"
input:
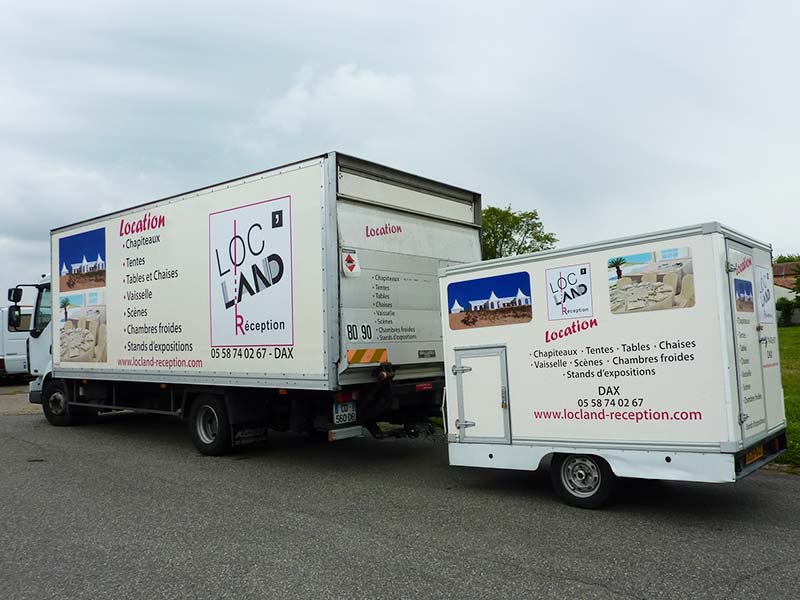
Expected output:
(204, 285)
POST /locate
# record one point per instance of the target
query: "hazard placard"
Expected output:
(350, 265)
(367, 355)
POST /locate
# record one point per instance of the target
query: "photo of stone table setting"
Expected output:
(659, 280)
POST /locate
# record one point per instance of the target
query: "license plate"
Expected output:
(754, 454)
(344, 412)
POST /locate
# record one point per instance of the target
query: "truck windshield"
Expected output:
(44, 309)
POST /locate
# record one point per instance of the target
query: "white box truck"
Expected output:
(654, 356)
(13, 356)
(301, 298)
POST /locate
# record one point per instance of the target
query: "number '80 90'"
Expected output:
(356, 332)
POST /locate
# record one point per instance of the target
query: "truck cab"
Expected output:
(13, 357)
(38, 345)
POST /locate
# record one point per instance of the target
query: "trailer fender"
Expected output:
(707, 467)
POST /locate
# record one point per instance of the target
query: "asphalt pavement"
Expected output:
(14, 399)
(126, 508)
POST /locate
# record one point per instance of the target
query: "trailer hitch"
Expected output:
(385, 372)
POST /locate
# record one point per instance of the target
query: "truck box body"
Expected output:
(657, 353)
(306, 276)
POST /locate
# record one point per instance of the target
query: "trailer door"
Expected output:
(748, 338)
(482, 388)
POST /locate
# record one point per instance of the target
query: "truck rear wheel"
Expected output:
(209, 425)
(582, 480)
(55, 403)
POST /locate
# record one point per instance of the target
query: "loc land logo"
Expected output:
(250, 272)
(569, 292)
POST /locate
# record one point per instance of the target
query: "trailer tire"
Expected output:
(55, 404)
(582, 480)
(209, 425)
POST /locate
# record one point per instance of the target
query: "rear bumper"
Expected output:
(773, 445)
(344, 433)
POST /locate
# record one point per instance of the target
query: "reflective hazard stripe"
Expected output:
(367, 355)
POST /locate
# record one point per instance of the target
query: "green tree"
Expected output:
(784, 258)
(616, 263)
(507, 232)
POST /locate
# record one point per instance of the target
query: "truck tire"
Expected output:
(55, 404)
(209, 425)
(582, 480)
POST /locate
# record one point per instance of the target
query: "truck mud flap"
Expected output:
(249, 419)
(243, 434)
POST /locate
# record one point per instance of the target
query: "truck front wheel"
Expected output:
(55, 403)
(210, 426)
(582, 480)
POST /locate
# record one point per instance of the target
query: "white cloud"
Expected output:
(340, 100)
(344, 108)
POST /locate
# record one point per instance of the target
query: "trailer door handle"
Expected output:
(456, 370)
(465, 424)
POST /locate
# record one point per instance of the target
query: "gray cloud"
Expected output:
(610, 119)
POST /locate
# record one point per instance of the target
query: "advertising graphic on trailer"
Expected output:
(490, 301)
(81, 307)
(744, 295)
(646, 281)
(251, 275)
(569, 292)
(766, 302)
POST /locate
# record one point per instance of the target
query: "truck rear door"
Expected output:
(394, 236)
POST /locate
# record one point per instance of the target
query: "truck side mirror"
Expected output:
(14, 316)
(14, 295)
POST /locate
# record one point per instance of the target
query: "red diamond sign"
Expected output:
(350, 262)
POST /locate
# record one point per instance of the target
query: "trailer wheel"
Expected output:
(55, 403)
(209, 425)
(582, 480)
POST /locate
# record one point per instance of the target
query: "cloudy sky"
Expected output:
(609, 118)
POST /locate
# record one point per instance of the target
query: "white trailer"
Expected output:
(13, 356)
(654, 356)
(304, 297)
